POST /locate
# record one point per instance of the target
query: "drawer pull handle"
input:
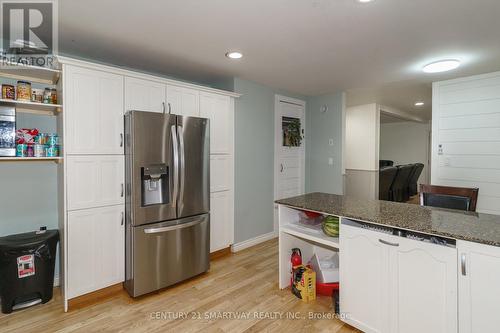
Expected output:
(463, 262)
(388, 243)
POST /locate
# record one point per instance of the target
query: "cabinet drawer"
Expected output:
(95, 181)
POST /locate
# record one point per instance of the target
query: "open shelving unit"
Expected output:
(32, 73)
(310, 234)
(35, 74)
(31, 159)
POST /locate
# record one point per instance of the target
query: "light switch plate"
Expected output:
(330, 142)
(330, 161)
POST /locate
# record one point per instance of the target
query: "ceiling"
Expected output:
(310, 47)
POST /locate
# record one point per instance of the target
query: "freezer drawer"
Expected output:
(166, 253)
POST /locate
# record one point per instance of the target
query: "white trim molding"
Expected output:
(253, 241)
(140, 75)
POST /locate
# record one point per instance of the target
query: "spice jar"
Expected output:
(47, 99)
(8, 91)
(53, 95)
(23, 91)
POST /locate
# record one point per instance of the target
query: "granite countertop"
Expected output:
(455, 224)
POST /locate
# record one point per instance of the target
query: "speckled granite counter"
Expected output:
(474, 227)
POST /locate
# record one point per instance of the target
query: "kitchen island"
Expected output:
(403, 267)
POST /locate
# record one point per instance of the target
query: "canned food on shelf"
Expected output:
(30, 150)
(39, 150)
(52, 139)
(23, 91)
(8, 91)
(47, 96)
(52, 151)
(22, 150)
(37, 95)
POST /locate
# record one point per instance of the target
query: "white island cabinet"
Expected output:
(479, 287)
(396, 284)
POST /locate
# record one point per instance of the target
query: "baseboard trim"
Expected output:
(220, 253)
(94, 297)
(253, 241)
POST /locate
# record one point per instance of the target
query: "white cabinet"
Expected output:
(423, 280)
(95, 181)
(364, 275)
(93, 111)
(390, 283)
(478, 281)
(218, 109)
(144, 95)
(183, 101)
(96, 249)
(221, 220)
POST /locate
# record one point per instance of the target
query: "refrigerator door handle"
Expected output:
(182, 165)
(174, 227)
(175, 146)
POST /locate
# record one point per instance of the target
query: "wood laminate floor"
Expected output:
(243, 284)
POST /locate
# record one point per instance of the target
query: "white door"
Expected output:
(217, 108)
(364, 273)
(183, 101)
(95, 181)
(220, 172)
(423, 287)
(478, 287)
(96, 244)
(289, 149)
(144, 95)
(221, 230)
(94, 112)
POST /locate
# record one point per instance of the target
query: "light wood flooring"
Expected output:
(244, 283)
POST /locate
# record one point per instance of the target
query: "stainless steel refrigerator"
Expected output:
(167, 199)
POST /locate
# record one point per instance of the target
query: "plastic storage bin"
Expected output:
(326, 268)
(27, 269)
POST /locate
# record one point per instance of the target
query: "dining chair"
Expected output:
(461, 198)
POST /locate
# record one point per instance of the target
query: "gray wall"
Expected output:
(321, 127)
(254, 159)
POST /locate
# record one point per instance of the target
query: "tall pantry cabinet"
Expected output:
(96, 98)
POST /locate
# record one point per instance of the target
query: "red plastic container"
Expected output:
(311, 215)
(326, 289)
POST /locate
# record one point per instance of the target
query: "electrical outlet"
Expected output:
(330, 142)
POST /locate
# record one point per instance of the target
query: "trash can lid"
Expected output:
(27, 239)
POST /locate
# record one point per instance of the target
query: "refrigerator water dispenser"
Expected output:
(155, 185)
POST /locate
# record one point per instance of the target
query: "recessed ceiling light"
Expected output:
(441, 66)
(365, 1)
(419, 103)
(234, 55)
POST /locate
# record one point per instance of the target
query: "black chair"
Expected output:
(385, 163)
(412, 187)
(385, 179)
(461, 198)
(406, 192)
(400, 185)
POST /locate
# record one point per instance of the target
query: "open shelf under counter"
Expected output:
(31, 73)
(31, 159)
(34, 107)
(312, 234)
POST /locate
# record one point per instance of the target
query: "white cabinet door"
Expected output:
(364, 272)
(221, 230)
(217, 108)
(95, 257)
(95, 181)
(220, 173)
(93, 112)
(183, 101)
(144, 95)
(423, 287)
(478, 290)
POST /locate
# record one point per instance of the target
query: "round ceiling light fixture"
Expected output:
(234, 55)
(441, 66)
(419, 103)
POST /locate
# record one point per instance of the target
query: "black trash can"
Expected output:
(27, 264)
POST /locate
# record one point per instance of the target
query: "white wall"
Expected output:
(362, 125)
(362, 137)
(404, 143)
(466, 123)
